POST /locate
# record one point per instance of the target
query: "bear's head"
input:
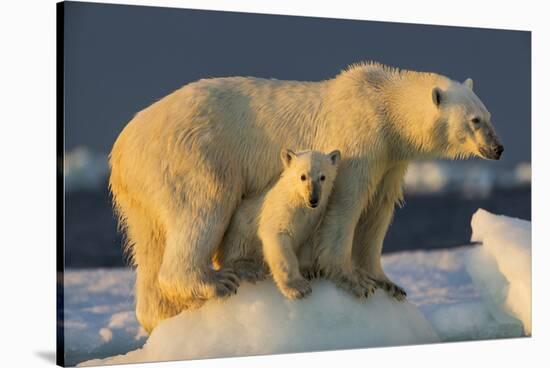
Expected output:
(310, 174)
(463, 123)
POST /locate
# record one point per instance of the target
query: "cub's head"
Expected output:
(463, 123)
(311, 174)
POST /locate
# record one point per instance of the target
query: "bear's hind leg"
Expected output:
(186, 272)
(145, 243)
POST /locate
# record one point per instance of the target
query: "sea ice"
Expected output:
(464, 293)
(501, 266)
(259, 320)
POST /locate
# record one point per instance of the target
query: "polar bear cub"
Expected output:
(290, 213)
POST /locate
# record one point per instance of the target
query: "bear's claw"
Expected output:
(352, 285)
(366, 282)
(310, 273)
(226, 282)
(392, 289)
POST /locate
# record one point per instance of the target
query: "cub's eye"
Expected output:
(476, 121)
(303, 177)
(322, 178)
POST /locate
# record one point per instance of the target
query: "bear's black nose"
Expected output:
(498, 149)
(313, 202)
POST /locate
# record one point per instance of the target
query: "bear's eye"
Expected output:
(322, 178)
(476, 121)
(303, 177)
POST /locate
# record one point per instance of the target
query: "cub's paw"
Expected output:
(295, 289)
(250, 270)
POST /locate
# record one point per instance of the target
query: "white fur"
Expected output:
(286, 219)
(182, 166)
(272, 227)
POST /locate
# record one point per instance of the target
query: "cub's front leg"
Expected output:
(282, 261)
(334, 239)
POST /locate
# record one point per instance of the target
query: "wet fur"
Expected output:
(182, 166)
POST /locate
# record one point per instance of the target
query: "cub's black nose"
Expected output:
(313, 203)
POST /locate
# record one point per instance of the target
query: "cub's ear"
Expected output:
(287, 156)
(469, 83)
(334, 157)
(437, 96)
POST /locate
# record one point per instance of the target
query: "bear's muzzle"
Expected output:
(492, 152)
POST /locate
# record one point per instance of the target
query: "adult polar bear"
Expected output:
(180, 168)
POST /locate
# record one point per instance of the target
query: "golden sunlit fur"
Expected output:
(182, 167)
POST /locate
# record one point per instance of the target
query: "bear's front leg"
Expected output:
(367, 250)
(334, 239)
(308, 267)
(372, 228)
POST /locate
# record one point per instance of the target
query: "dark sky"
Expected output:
(119, 59)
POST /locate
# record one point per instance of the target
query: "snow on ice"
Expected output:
(259, 320)
(465, 293)
(501, 268)
(99, 314)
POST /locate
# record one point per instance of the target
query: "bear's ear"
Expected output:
(287, 156)
(334, 157)
(437, 96)
(469, 83)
